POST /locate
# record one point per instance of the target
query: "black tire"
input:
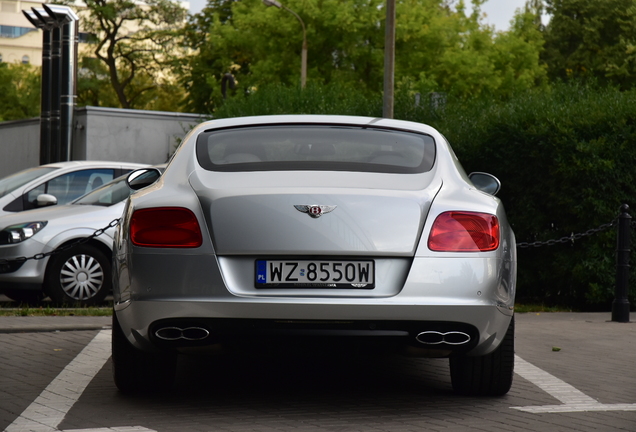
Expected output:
(489, 375)
(80, 276)
(135, 371)
(28, 297)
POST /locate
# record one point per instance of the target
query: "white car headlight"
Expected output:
(19, 233)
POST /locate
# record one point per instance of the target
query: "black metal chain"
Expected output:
(63, 248)
(571, 238)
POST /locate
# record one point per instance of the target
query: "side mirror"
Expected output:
(143, 177)
(485, 182)
(45, 200)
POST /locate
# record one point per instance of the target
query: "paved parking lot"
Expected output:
(575, 372)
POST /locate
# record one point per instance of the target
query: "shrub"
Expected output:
(566, 157)
(566, 160)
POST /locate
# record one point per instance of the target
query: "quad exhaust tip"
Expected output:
(178, 333)
(439, 338)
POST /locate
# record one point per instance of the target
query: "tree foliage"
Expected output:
(134, 41)
(20, 90)
(592, 39)
(565, 158)
(438, 48)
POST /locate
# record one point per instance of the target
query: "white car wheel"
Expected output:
(79, 275)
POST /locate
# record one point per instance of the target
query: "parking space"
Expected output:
(574, 373)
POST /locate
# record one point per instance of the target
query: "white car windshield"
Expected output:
(315, 147)
(107, 195)
(11, 182)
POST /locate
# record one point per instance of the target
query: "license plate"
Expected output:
(315, 274)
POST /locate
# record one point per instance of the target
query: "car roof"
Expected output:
(316, 119)
(79, 164)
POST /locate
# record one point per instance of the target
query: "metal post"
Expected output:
(67, 21)
(389, 60)
(620, 306)
(56, 58)
(45, 98)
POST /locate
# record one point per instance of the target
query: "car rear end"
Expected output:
(369, 232)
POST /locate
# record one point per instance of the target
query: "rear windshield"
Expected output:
(312, 147)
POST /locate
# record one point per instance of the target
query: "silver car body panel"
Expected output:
(249, 215)
(60, 169)
(65, 223)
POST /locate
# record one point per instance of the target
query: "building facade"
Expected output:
(20, 42)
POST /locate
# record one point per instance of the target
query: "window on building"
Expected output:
(25, 59)
(14, 32)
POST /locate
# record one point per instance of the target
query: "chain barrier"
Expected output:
(62, 248)
(571, 238)
(523, 245)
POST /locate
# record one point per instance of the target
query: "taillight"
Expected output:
(167, 227)
(457, 231)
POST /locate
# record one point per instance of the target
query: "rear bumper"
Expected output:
(399, 324)
(472, 294)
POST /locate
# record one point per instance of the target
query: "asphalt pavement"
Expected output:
(574, 372)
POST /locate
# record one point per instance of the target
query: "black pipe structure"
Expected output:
(45, 98)
(59, 26)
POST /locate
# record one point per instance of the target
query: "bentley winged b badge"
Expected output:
(315, 210)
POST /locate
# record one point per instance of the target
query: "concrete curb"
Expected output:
(10, 324)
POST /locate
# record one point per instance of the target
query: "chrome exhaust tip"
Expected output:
(177, 333)
(447, 338)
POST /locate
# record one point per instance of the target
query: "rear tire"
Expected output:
(136, 371)
(489, 375)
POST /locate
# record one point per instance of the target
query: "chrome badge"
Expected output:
(314, 210)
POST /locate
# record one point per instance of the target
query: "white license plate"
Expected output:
(315, 274)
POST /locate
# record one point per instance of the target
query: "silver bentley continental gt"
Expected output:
(303, 230)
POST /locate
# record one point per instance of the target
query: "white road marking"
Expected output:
(573, 400)
(49, 409)
(114, 429)
(51, 406)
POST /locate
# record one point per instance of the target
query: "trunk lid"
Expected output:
(266, 213)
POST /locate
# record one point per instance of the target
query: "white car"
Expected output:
(311, 232)
(71, 275)
(57, 183)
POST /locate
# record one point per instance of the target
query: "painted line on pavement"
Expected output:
(573, 400)
(51, 406)
(49, 409)
(114, 429)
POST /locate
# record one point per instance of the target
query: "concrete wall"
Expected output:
(19, 145)
(100, 134)
(129, 135)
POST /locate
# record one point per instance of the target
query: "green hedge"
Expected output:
(566, 158)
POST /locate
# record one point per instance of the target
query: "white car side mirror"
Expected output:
(45, 200)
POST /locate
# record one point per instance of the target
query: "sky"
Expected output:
(498, 12)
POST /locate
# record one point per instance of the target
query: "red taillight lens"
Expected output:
(167, 227)
(456, 231)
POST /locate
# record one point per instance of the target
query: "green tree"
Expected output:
(592, 39)
(20, 90)
(442, 49)
(93, 84)
(135, 42)
(438, 48)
